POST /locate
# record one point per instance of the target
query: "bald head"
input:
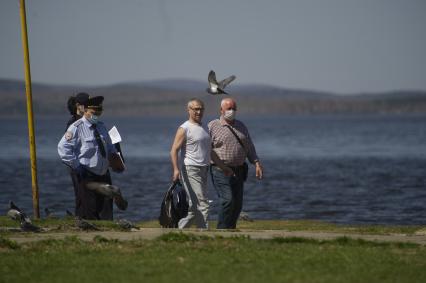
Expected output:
(228, 103)
(228, 108)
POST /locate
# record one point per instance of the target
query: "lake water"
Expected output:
(351, 169)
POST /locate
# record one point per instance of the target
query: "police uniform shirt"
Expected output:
(78, 147)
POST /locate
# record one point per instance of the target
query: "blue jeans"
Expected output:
(230, 193)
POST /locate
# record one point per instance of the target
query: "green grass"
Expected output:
(66, 224)
(178, 257)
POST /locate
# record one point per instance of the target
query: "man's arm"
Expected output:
(251, 150)
(216, 160)
(177, 144)
(253, 158)
(66, 147)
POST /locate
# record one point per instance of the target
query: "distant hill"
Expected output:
(169, 97)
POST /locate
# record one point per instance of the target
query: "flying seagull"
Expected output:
(109, 191)
(17, 214)
(215, 87)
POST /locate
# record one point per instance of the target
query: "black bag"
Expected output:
(245, 171)
(174, 206)
(180, 203)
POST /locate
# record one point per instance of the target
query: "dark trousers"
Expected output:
(230, 193)
(75, 181)
(90, 205)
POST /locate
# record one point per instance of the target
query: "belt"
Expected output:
(232, 167)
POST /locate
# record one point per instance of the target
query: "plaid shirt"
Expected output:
(227, 147)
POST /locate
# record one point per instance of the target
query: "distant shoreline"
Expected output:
(168, 98)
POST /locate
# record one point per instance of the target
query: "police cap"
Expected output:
(95, 103)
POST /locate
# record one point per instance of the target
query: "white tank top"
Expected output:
(196, 150)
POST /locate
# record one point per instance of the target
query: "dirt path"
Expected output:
(152, 233)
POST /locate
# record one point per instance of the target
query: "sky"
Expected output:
(342, 46)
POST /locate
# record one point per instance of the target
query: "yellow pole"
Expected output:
(28, 92)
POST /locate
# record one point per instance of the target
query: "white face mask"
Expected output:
(229, 115)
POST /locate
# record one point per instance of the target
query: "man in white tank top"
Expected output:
(194, 143)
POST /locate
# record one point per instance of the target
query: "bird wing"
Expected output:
(223, 83)
(24, 217)
(221, 91)
(12, 205)
(212, 78)
(14, 214)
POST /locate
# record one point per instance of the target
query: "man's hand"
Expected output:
(227, 171)
(259, 171)
(176, 174)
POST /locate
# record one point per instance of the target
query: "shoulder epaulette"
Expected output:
(77, 123)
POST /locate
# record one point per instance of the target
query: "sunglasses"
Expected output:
(197, 109)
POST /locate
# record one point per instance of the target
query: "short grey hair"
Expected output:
(199, 101)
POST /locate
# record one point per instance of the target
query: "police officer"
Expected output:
(75, 105)
(86, 148)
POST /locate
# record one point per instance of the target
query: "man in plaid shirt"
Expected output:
(232, 152)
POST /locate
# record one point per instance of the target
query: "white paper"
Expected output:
(114, 135)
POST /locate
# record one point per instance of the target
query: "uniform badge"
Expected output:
(68, 135)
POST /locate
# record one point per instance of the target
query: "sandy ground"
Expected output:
(152, 233)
